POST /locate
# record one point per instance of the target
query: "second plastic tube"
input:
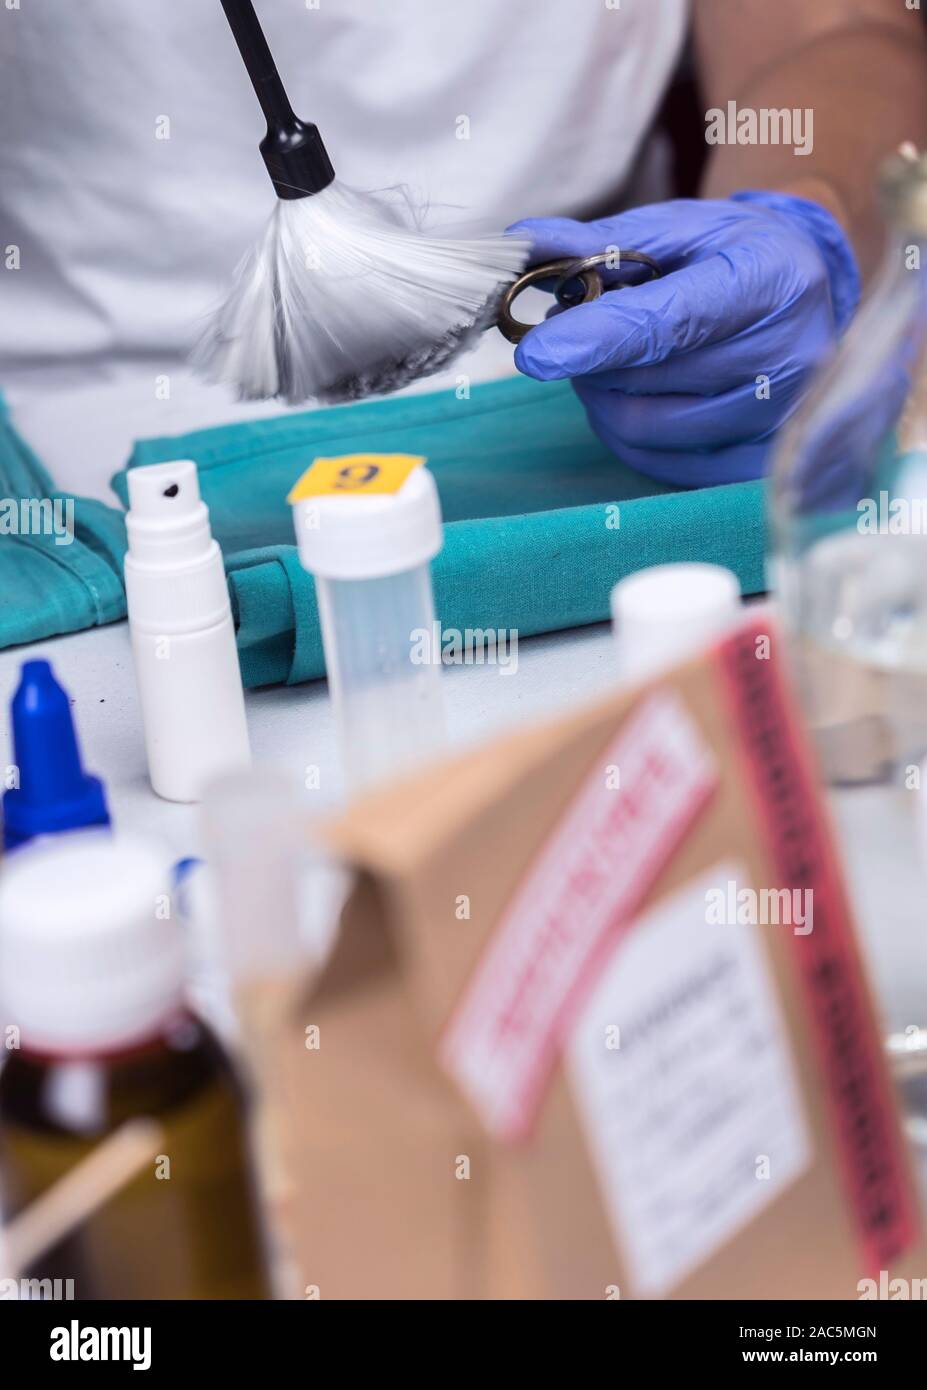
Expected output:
(370, 556)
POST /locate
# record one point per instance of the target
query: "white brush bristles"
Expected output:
(345, 296)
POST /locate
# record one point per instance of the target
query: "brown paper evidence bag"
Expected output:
(596, 1024)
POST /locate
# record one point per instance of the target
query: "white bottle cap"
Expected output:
(90, 960)
(663, 614)
(357, 537)
(175, 580)
(168, 521)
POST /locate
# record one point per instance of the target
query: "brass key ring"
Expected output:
(584, 269)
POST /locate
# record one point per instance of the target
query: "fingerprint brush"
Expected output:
(346, 293)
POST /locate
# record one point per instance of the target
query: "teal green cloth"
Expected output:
(51, 583)
(541, 519)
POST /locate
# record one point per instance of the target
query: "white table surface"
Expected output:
(292, 728)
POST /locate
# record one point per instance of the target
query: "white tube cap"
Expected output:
(666, 613)
(90, 960)
(175, 580)
(167, 522)
(370, 537)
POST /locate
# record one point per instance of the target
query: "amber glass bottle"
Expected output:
(96, 1035)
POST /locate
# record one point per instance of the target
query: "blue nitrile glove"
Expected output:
(672, 372)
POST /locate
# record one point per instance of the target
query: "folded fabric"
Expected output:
(60, 556)
(541, 520)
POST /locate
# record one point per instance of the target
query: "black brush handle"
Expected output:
(259, 61)
(296, 158)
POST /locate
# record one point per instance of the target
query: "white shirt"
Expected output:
(131, 182)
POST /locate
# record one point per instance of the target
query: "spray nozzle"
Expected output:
(163, 492)
(168, 521)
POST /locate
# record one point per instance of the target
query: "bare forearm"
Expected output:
(866, 89)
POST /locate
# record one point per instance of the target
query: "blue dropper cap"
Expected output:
(54, 792)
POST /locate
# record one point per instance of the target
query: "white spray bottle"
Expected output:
(183, 639)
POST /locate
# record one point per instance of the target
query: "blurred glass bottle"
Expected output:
(849, 511)
(97, 1035)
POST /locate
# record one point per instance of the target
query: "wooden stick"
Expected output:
(88, 1186)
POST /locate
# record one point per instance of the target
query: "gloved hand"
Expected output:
(672, 372)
